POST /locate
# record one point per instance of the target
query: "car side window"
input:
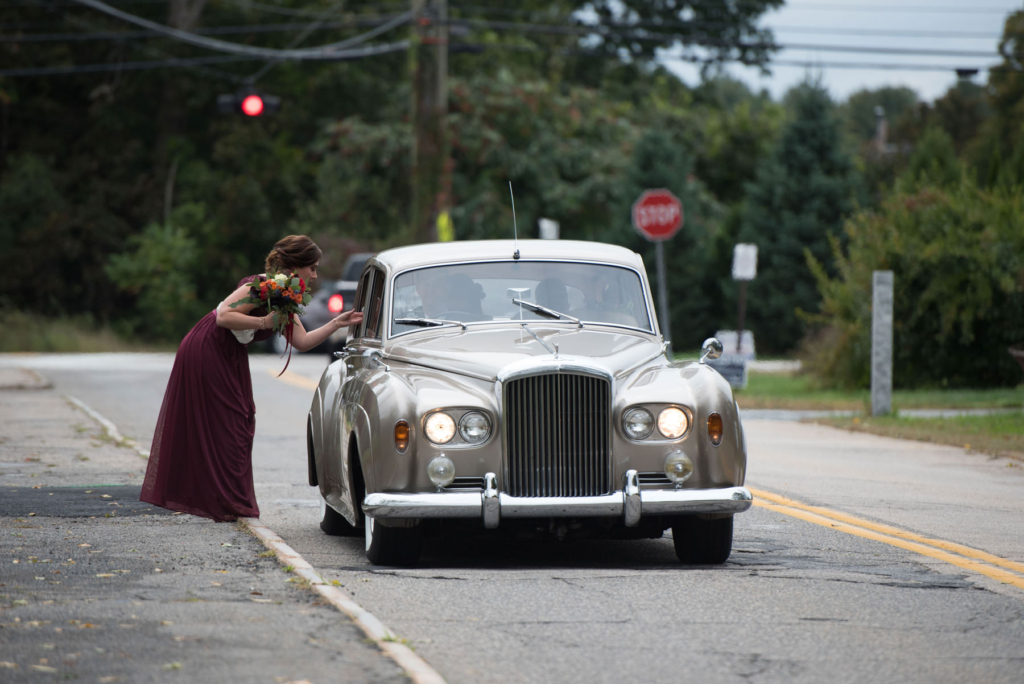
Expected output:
(374, 318)
(361, 297)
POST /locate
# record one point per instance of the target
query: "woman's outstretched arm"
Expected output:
(236, 318)
(304, 341)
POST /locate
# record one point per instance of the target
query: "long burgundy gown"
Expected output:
(201, 459)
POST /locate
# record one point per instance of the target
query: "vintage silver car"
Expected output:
(523, 389)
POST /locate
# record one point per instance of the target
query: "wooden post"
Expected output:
(431, 171)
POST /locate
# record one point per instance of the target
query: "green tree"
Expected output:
(693, 285)
(934, 160)
(803, 192)
(956, 254)
(160, 269)
(859, 116)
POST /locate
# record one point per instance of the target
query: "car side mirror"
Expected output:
(711, 349)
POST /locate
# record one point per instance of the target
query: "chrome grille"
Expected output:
(557, 431)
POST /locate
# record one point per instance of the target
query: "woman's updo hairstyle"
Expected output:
(292, 252)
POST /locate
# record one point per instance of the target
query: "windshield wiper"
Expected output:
(545, 311)
(428, 322)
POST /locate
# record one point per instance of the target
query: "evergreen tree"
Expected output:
(802, 194)
(692, 281)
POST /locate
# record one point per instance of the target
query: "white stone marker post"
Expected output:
(881, 343)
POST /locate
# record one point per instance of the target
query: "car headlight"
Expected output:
(672, 422)
(638, 423)
(439, 428)
(474, 427)
(441, 471)
(678, 467)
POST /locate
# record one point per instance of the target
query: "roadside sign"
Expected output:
(657, 215)
(744, 261)
(548, 229)
(733, 368)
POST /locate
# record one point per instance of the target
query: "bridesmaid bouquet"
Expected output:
(281, 294)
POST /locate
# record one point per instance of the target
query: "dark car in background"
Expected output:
(330, 298)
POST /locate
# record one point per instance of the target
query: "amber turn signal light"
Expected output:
(715, 428)
(401, 436)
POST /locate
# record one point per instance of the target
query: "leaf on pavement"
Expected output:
(42, 668)
(8, 665)
(84, 546)
(105, 574)
(173, 666)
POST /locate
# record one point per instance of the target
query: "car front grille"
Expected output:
(557, 432)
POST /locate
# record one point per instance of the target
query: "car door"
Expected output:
(356, 394)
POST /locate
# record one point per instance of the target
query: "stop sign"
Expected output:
(657, 214)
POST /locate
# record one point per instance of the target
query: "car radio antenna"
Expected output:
(515, 229)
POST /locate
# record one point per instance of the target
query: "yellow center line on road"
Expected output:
(959, 555)
(295, 379)
(892, 531)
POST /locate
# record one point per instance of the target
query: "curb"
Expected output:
(108, 426)
(414, 666)
(23, 379)
(418, 670)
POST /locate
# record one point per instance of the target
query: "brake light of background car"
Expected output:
(336, 303)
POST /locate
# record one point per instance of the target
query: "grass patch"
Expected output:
(794, 391)
(25, 332)
(998, 434)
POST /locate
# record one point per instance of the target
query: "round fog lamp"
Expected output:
(637, 423)
(439, 428)
(474, 427)
(678, 467)
(672, 422)
(441, 471)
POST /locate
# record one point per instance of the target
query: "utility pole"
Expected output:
(431, 166)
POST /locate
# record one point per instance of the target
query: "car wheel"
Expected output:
(333, 523)
(702, 542)
(392, 545)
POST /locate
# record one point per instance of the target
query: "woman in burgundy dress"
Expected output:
(201, 460)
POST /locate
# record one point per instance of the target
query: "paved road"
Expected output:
(801, 599)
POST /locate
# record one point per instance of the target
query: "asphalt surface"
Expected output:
(797, 602)
(96, 586)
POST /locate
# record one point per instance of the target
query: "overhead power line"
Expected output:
(814, 7)
(650, 36)
(241, 29)
(376, 20)
(325, 52)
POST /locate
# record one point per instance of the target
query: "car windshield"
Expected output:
(471, 293)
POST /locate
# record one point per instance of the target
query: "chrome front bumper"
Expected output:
(491, 505)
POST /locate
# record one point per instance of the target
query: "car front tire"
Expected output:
(399, 546)
(702, 542)
(333, 523)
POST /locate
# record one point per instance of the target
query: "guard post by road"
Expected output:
(881, 342)
(658, 216)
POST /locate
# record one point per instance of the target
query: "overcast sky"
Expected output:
(944, 26)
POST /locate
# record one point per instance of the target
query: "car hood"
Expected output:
(494, 353)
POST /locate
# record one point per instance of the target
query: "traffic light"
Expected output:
(248, 103)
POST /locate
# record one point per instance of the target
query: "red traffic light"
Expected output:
(248, 103)
(336, 303)
(252, 105)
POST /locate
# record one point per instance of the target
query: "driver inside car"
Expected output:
(552, 293)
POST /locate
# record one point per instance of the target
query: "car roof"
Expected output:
(437, 253)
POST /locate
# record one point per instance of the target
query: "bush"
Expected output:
(957, 255)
